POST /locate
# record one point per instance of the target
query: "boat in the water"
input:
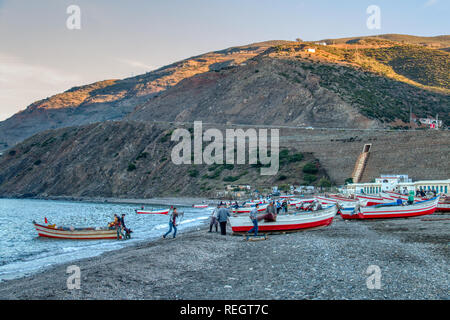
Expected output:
(200, 206)
(287, 222)
(393, 210)
(58, 232)
(158, 211)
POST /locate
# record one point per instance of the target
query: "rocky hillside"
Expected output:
(128, 159)
(364, 82)
(286, 86)
(114, 99)
(131, 159)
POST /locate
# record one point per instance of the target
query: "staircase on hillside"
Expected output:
(360, 164)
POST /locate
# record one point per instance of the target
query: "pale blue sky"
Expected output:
(39, 56)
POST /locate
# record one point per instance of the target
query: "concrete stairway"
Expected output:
(360, 164)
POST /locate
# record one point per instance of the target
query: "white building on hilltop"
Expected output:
(398, 183)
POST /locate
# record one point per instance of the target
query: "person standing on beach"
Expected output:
(172, 223)
(222, 216)
(254, 218)
(214, 221)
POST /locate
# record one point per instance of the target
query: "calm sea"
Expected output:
(22, 252)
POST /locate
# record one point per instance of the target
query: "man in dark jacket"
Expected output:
(222, 216)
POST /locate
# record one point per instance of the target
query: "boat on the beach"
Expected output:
(57, 232)
(443, 204)
(158, 211)
(329, 200)
(393, 210)
(287, 222)
(370, 200)
(261, 207)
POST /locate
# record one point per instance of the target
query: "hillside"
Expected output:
(324, 89)
(113, 99)
(128, 159)
(362, 82)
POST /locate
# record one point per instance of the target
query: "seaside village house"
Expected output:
(398, 183)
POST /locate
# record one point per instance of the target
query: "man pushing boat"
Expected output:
(271, 215)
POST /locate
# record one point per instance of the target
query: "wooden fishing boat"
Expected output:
(404, 197)
(370, 200)
(286, 222)
(443, 207)
(200, 206)
(443, 204)
(394, 211)
(97, 233)
(159, 211)
(261, 207)
(327, 201)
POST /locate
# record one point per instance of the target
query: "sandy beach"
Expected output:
(325, 263)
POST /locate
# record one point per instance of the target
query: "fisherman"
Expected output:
(278, 206)
(222, 215)
(117, 225)
(411, 198)
(271, 215)
(214, 221)
(127, 232)
(254, 218)
(172, 223)
(284, 206)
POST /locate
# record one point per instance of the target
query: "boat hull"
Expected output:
(286, 223)
(86, 234)
(153, 212)
(419, 209)
(443, 207)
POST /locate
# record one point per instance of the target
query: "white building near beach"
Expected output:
(398, 183)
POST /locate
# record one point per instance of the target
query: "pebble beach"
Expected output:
(326, 263)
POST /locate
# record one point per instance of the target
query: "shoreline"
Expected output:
(326, 263)
(179, 201)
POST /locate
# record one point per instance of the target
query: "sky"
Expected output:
(40, 56)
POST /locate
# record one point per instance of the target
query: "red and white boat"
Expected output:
(52, 231)
(444, 204)
(287, 196)
(286, 222)
(327, 201)
(389, 195)
(379, 211)
(200, 206)
(370, 200)
(261, 207)
(443, 207)
(160, 211)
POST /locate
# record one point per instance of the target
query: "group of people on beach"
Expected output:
(220, 215)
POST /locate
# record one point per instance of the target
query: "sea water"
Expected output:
(23, 252)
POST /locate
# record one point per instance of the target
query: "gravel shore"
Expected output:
(325, 263)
